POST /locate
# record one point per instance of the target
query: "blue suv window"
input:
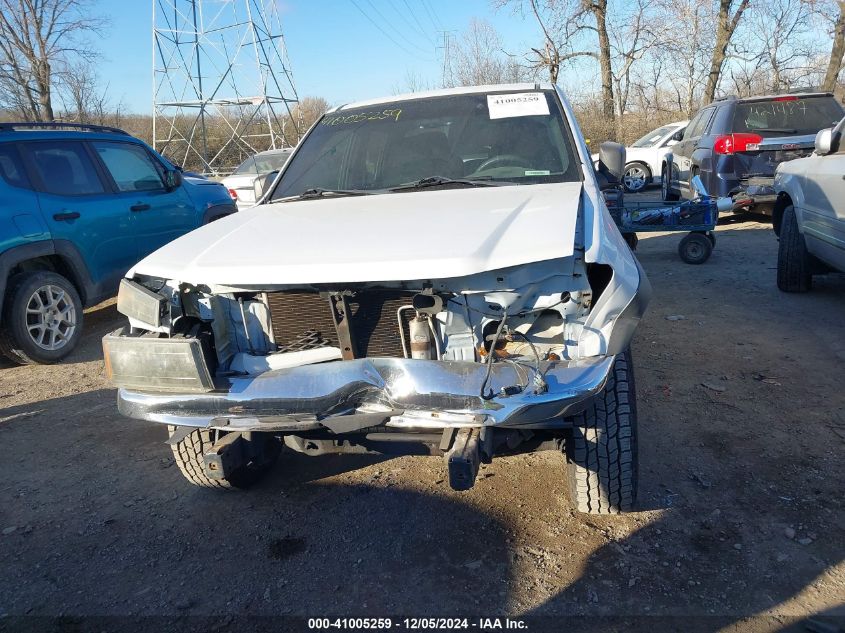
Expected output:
(11, 168)
(130, 166)
(64, 168)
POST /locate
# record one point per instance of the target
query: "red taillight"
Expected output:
(787, 98)
(233, 194)
(733, 143)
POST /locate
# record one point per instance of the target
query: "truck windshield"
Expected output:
(514, 138)
(787, 115)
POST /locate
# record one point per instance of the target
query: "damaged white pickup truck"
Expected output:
(433, 273)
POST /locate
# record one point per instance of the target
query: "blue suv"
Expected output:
(79, 206)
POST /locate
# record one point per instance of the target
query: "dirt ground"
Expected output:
(740, 527)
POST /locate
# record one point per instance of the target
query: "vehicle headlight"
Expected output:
(140, 304)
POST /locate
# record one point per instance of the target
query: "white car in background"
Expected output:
(645, 156)
(242, 181)
(809, 213)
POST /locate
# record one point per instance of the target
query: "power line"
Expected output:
(438, 26)
(418, 28)
(386, 34)
(396, 30)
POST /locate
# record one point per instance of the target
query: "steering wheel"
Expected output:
(502, 160)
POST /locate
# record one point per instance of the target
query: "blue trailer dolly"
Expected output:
(697, 217)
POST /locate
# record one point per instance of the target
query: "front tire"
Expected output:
(42, 318)
(189, 454)
(602, 448)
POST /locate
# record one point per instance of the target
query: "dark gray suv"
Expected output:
(736, 144)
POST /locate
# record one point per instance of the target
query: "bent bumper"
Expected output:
(347, 396)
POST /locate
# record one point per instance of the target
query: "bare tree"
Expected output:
(479, 58)
(837, 50)
(38, 39)
(81, 95)
(726, 24)
(687, 30)
(631, 38)
(564, 24)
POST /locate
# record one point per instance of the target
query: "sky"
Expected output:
(342, 50)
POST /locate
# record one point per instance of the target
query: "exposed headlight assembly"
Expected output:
(140, 304)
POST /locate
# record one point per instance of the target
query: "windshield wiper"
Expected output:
(781, 130)
(436, 181)
(310, 194)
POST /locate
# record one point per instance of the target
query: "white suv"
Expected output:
(434, 273)
(809, 216)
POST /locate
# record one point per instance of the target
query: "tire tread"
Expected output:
(602, 450)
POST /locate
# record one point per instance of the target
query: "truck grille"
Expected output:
(372, 321)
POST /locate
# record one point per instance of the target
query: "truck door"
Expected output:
(824, 208)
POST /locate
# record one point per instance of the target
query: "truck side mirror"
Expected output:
(262, 184)
(824, 141)
(679, 135)
(612, 160)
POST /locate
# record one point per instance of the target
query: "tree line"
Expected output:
(627, 65)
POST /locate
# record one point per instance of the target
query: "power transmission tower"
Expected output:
(446, 73)
(222, 83)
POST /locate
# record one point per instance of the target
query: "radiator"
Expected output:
(372, 322)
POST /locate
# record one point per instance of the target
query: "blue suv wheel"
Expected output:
(42, 318)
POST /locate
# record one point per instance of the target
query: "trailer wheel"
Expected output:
(189, 454)
(695, 248)
(601, 451)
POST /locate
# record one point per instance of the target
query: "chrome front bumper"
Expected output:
(346, 396)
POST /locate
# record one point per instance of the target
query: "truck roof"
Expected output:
(445, 92)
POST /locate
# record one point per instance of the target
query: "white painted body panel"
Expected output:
(377, 237)
(816, 185)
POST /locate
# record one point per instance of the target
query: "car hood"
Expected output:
(401, 236)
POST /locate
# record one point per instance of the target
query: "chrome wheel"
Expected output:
(51, 317)
(635, 178)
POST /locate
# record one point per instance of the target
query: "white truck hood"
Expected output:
(429, 234)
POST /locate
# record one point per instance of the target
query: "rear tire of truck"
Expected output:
(602, 448)
(794, 263)
(188, 454)
(42, 318)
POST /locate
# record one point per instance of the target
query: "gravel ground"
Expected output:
(740, 527)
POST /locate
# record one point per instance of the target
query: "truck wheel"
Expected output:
(42, 318)
(666, 187)
(695, 248)
(189, 452)
(794, 265)
(602, 448)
